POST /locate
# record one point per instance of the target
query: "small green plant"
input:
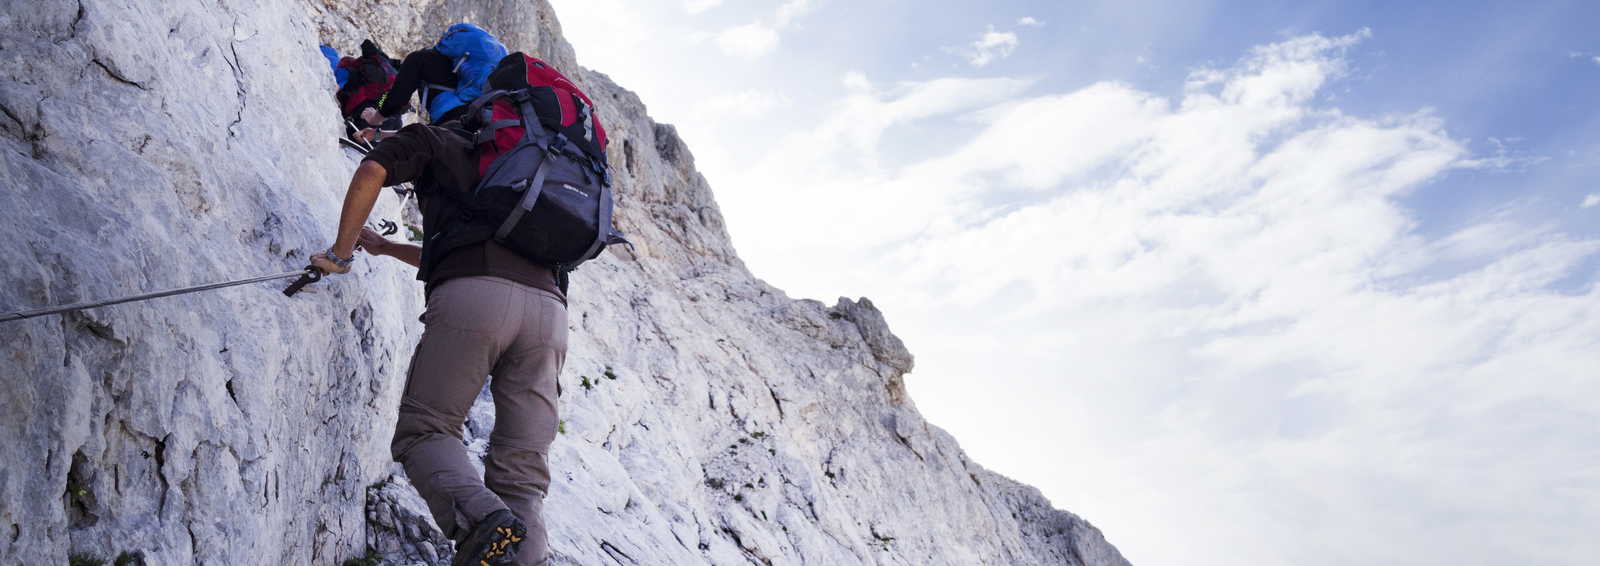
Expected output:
(75, 490)
(128, 559)
(84, 560)
(371, 559)
(758, 434)
(561, 427)
(609, 374)
(883, 540)
(586, 383)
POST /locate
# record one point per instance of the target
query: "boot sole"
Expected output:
(502, 547)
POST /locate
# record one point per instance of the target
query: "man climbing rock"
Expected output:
(489, 311)
(446, 77)
(366, 83)
(428, 74)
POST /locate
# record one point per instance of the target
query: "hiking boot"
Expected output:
(493, 541)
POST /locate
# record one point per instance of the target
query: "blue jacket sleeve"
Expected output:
(339, 75)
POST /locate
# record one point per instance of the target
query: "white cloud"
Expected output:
(789, 11)
(990, 47)
(756, 39)
(745, 104)
(1222, 293)
(697, 6)
(1597, 59)
(1030, 21)
(856, 81)
(1504, 158)
(749, 41)
(1591, 201)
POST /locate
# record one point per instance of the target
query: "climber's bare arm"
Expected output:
(376, 244)
(409, 253)
(365, 186)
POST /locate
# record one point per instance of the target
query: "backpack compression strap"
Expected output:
(602, 231)
(482, 109)
(530, 135)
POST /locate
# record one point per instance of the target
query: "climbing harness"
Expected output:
(307, 276)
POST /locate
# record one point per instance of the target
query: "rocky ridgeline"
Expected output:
(706, 417)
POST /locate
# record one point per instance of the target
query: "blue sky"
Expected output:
(1241, 283)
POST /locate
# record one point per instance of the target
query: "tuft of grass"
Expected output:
(128, 559)
(561, 427)
(609, 374)
(75, 490)
(84, 560)
(758, 434)
(586, 383)
(370, 559)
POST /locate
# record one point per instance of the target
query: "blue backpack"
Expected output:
(475, 53)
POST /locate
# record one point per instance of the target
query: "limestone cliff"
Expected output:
(708, 418)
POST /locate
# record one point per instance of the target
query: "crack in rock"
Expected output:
(238, 81)
(116, 76)
(72, 31)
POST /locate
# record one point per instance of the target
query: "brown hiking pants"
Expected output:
(475, 327)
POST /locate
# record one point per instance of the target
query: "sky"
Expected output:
(1240, 283)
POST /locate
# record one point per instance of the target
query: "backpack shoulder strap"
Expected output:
(480, 109)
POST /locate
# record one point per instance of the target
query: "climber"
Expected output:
(446, 77)
(368, 82)
(428, 74)
(489, 311)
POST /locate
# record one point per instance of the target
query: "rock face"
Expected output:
(707, 417)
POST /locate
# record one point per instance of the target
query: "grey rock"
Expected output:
(155, 145)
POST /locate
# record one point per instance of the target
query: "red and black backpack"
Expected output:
(371, 76)
(561, 107)
(545, 191)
